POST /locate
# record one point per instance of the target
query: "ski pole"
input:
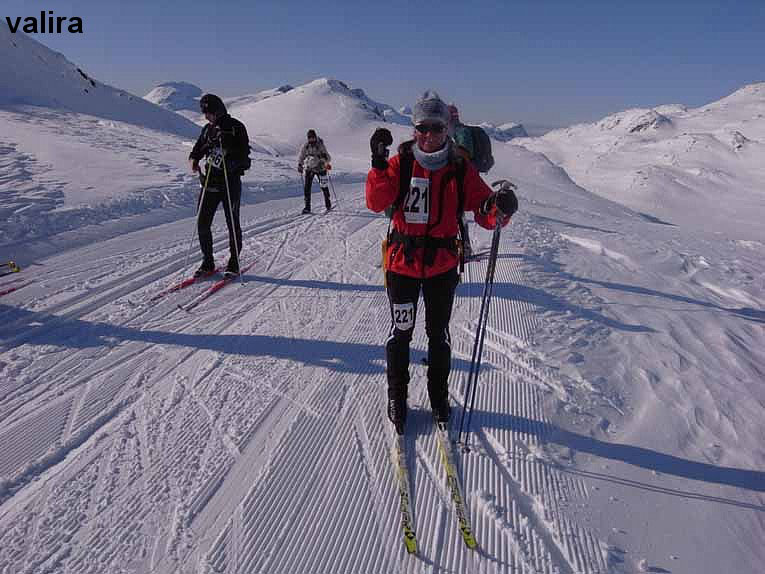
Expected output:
(231, 215)
(475, 361)
(194, 231)
(332, 186)
(302, 183)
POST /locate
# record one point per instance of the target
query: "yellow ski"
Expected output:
(402, 474)
(453, 481)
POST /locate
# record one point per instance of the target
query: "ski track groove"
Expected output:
(327, 424)
(302, 444)
(511, 323)
(308, 446)
(90, 431)
(103, 392)
(245, 559)
(75, 361)
(90, 301)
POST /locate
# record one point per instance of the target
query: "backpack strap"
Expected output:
(406, 166)
(461, 168)
(460, 165)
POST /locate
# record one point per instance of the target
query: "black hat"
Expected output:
(311, 134)
(212, 104)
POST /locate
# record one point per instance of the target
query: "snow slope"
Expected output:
(343, 117)
(694, 167)
(505, 132)
(35, 75)
(179, 97)
(618, 416)
(75, 152)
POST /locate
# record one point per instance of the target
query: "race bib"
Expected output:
(417, 202)
(403, 316)
(216, 158)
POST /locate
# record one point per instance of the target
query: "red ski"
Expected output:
(214, 288)
(182, 284)
(15, 288)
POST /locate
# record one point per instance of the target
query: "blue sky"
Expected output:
(541, 63)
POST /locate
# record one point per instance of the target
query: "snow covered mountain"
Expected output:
(37, 76)
(505, 132)
(180, 97)
(618, 422)
(265, 94)
(343, 117)
(74, 151)
(698, 167)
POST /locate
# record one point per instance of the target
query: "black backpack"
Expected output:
(482, 158)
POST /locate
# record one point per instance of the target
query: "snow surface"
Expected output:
(505, 132)
(35, 75)
(698, 167)
(618, 422)
(179, 97)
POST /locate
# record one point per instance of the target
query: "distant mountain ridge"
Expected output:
(183, 97)
(37, 76)
(672, 159)
(176, 96)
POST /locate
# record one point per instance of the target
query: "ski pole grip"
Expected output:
(504, 186)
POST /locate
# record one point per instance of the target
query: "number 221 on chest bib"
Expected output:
(417, 204)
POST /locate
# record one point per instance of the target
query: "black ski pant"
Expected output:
(212, 197)
(438, 295)
(323, 184)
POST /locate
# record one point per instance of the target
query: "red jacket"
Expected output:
(433, 215)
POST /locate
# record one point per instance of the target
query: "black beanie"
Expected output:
(212, 104)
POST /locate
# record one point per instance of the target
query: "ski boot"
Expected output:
(232, 268)
(206, 268)
(397, 413)
(441, 411)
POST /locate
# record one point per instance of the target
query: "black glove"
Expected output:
(379, 143)
(507, 202)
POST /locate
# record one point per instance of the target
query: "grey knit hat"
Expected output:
(431, 108)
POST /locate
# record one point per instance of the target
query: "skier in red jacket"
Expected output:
(422, 246)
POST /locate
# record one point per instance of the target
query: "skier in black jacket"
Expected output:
(223, 137)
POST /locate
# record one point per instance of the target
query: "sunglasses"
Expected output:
(432, 128)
